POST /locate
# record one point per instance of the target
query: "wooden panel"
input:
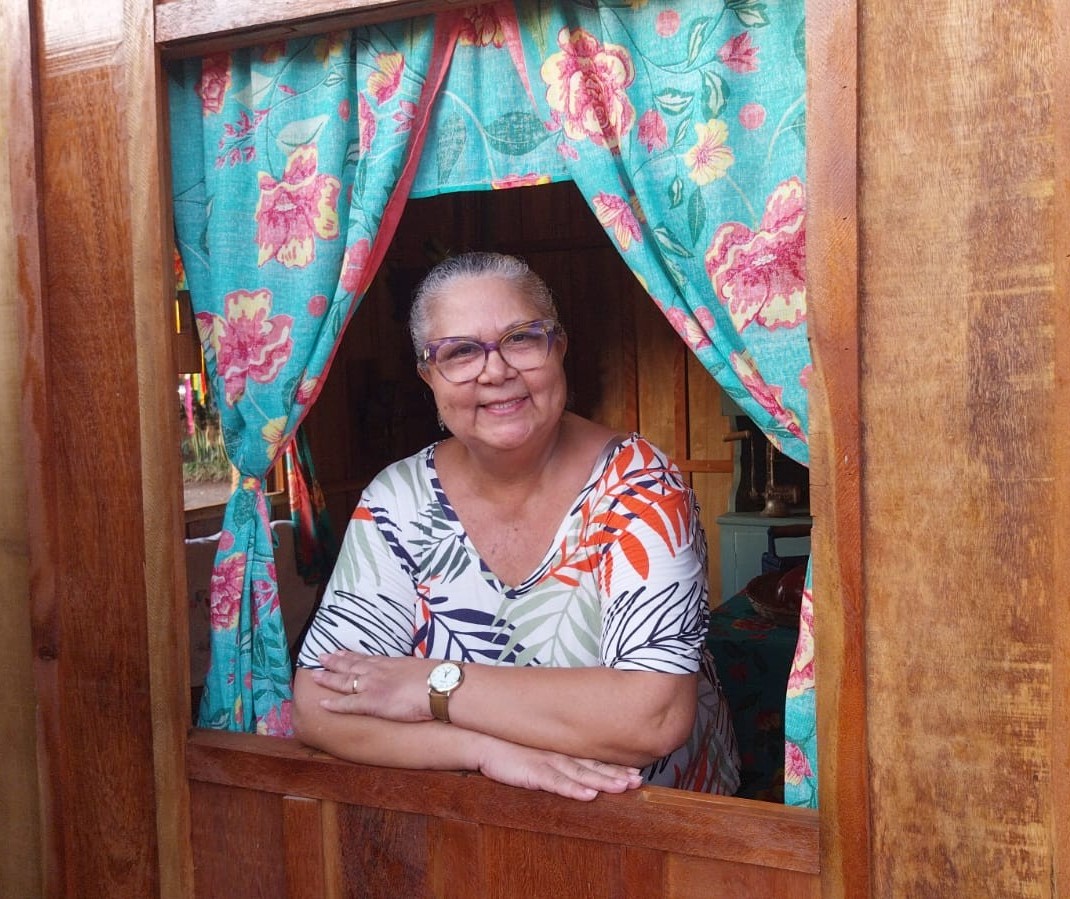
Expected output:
(654, 817)
(303, 845)
(535, 864)
(238, 843)
(700, 878)
(959, 305)
(20, 820)
(835, 445)
(89, 562)
(383, 852)
(455, 859)
(1060, 738)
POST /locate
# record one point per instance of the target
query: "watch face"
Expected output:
(445, 676)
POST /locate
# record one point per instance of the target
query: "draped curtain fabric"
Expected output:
(682, 123)
(291, 165)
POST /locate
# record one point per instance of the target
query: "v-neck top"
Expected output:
(622, 584)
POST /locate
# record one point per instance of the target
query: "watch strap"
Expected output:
(440, 705)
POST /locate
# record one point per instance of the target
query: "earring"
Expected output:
(441, 423)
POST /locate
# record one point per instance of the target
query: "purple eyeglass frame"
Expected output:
(548, 325)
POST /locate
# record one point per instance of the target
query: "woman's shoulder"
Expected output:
(410, 476)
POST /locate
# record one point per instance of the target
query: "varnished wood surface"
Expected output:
(655, 818)
(833, 302)
(20, 805)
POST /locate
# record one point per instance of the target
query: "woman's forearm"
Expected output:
(433, 745)
(626, 717)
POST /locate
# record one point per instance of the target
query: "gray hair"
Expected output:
(475, 265)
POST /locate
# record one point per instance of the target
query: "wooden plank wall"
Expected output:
(20, 820)
(957, 214)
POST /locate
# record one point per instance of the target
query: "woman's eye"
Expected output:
(523, 338)
(458, 352)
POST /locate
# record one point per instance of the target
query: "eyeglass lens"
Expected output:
(523, 349)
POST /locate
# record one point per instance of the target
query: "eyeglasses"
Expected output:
(462, 359)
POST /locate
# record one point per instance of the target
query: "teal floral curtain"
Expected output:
(291, 166)
(681, 122)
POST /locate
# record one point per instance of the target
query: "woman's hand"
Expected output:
(384, 687)
(539, 769)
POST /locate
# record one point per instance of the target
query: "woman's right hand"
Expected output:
(539, 769)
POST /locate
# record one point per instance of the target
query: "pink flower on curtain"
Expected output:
(652, 132)
(761, 276)
(247, 340)
(215, 80)
(689, 329)
(384, 82)
(366, 122)
(752, 116)
(405, 116)
(768, 396)
(528, 180)
(228, 577)
(586, 84)
(353, 264)
(616, 213)
(796, 765)
(316, 305)
(801, 677)
(277, 722)
(292, 213)
(667, 23)
(265, 594)
(709, 159)
(482, 27)
(739, 54)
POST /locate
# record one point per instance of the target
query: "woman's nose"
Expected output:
(496, 368)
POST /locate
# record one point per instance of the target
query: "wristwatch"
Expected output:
(443, 680)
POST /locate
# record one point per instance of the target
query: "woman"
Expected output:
(557, 567)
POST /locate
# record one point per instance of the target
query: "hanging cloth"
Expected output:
(291, 166)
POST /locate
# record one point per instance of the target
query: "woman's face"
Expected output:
(502, 408)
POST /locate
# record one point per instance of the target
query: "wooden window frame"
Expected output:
(761, 833)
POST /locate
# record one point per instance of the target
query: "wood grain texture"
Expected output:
(655, 818)
(1060, 712)
(195, 27)
(20, 817)
(956, 223)
(833, 300)
(88, 591)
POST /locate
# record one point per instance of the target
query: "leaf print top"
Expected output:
(622, 584)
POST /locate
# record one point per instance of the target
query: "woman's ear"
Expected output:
(424, 371)
(562, 339)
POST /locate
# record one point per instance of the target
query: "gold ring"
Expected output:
(356, 679)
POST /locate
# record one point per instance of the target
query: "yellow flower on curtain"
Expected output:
(616, 213)
(384, 82)
(329, 45)
(481, 26)
(586, 88)
(273, 433)
(709, 159)
(292, 213)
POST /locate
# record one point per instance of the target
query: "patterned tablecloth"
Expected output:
(753, 657)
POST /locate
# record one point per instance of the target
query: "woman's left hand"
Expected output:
(380, 686)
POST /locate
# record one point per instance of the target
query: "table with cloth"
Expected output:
(753, 657)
